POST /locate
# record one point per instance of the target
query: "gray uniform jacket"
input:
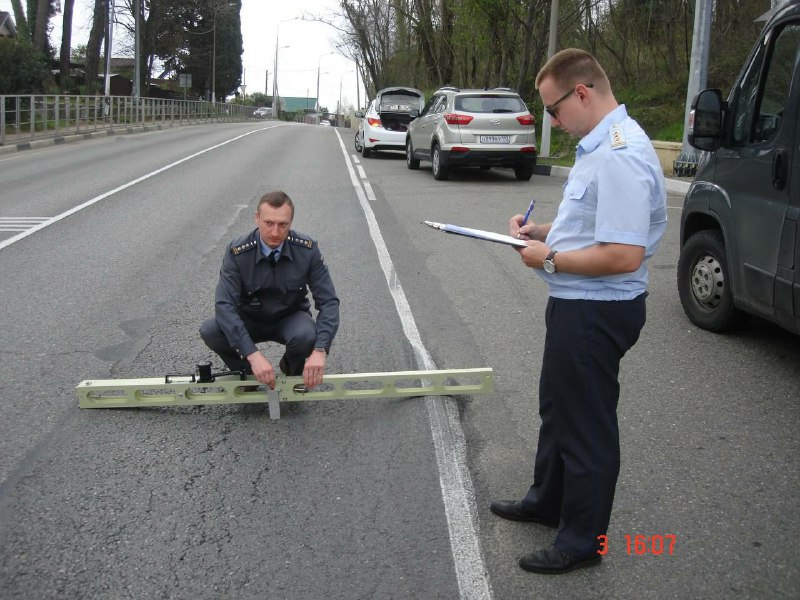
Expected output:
(250, 287)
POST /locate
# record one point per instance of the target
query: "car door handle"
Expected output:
(779, 169)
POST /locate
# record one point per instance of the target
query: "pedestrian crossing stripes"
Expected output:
(17, 224)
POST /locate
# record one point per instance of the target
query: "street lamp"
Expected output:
(217, 8)
(319, 61)
(276, 105)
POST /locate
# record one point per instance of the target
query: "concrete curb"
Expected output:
(672, 184)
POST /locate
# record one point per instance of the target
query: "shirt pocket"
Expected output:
(572, 211)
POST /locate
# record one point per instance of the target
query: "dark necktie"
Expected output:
(273, 257)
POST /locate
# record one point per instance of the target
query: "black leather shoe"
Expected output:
(551, 561)
(284, 366)
(514, 511)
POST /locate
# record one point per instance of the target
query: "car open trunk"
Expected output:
(394, 106)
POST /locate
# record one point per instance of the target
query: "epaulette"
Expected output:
(244, 247)
(300, 241)
(617, 136)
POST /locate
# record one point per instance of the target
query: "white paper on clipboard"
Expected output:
(480, 234)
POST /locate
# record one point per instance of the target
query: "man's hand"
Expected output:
(529, 231)
(533, 254)
(314, 368)
(262, 369)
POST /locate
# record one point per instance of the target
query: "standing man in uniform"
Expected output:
(592, 257)
(262, 296)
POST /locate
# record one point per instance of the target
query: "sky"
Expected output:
(303, 47)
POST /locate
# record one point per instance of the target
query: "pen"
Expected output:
(527, 213)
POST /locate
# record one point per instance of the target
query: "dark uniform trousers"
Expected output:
(297, 332)
(578, 457)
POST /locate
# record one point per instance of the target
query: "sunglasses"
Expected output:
(551, 110)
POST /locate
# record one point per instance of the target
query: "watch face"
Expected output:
(549, 266)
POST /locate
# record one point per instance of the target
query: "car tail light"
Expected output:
(456, 119)
(526, 120)
(374, 122)
(528, 149)
(459, 149)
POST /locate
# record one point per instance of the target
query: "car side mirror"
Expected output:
(359, 114)
(705, 121)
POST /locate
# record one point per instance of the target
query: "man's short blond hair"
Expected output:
(572, 66)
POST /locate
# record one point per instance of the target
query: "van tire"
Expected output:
(440, 172)
(704, 283)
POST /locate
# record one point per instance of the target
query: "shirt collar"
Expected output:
(593, 139)
(265, 250)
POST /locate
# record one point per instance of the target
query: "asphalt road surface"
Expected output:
(359, 498)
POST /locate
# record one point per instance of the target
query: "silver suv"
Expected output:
(473, 128)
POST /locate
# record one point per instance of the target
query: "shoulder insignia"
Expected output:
(617, 136)
(244, 247)
(300, 241)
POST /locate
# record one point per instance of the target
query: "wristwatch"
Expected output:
(549, 263)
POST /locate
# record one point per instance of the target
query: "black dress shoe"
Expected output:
(551, 561)
(514, 511)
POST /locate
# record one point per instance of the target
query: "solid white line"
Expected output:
(88, 203)
(448, 437)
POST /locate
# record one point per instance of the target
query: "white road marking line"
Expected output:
(448, 437)
(361, 172)
(13, 224)
(355, 159)
(96, 199)
(368, 189)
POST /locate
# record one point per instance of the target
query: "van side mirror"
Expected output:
(359, 114)
(414, 113)
(705, 120)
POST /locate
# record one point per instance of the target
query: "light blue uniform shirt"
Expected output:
(615, 193)
(266, 250)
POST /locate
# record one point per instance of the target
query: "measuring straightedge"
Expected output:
(187, 390)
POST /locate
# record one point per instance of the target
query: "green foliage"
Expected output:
(23, 69)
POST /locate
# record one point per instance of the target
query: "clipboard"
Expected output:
(480, 234)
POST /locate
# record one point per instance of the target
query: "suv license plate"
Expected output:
(495, 139)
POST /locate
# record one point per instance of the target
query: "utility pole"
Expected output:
(137, 75)
(698, 73)
(544, 149)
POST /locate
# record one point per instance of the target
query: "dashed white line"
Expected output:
(448, 437)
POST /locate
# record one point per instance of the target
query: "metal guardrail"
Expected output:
(31, 117)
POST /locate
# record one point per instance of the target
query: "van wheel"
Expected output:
(524, 173)
(704, 284)
(440, 172)
(411, 162)
(358, 143)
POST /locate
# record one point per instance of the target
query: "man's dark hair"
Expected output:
(275, 200)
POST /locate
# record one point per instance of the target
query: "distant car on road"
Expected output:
(325, 123)
(473, 128)
(263, 113)
(383, 126)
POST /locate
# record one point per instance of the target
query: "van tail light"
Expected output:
(374, 122)
(526, 120)
(456, 119)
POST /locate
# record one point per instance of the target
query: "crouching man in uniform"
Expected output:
(262, 296)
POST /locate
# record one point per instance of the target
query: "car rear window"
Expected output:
(482, 103)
